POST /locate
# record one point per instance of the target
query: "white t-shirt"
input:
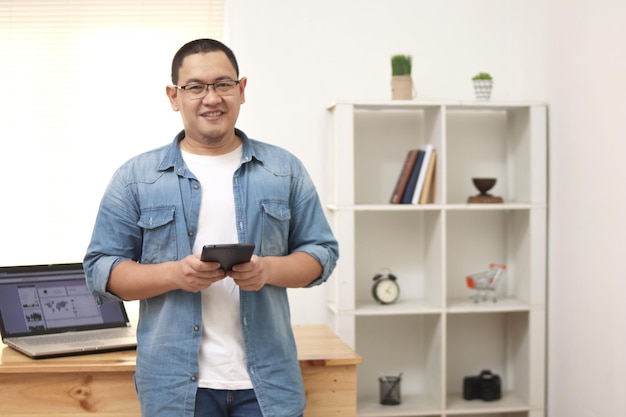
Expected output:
(221, 358)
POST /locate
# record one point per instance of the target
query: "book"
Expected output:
(422, 174)
(407, 196)
(403, 178)
(427, 195)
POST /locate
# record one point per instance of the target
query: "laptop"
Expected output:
(47, 311)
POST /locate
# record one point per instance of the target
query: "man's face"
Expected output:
(210, 120)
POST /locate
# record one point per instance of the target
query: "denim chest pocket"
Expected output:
(159, 235)
(276, 218)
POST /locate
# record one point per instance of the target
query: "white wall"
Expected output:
(586, 67)
(570, 54)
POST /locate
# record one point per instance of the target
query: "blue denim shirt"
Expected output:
(149, 214)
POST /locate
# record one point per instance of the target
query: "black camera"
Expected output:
(486, 387)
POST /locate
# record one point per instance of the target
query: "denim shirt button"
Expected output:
(190, 234)
(196, 328)
(193, 377)
(196, 186)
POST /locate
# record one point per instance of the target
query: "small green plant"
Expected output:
(482, 76)
(401, 64)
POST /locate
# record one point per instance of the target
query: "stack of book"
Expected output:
(415, 182)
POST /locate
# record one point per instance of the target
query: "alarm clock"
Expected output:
(385, 289)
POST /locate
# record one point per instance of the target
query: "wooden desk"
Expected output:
(102, 383)
(329, 372)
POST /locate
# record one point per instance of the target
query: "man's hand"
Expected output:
(250, 276)
(194, 275)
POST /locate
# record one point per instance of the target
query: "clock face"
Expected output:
(386, 290)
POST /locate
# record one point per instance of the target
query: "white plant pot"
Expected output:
(482, 89)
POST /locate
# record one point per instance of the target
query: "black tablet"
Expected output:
(228, 255)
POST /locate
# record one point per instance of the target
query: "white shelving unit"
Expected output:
(435, 334)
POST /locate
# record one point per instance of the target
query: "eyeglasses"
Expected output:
(199, 90)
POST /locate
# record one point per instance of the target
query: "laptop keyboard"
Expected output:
(67, 338)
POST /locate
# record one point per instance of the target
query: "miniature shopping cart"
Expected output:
(484, 283)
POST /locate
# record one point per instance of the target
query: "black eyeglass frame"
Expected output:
(208, 85)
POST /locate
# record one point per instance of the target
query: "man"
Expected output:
(211, 342)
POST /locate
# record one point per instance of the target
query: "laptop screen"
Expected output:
(44, 299)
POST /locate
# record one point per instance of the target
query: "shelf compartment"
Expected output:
(415, 260)
(506, 143)
(411, 345)
(377, 142)
(479, 238)
(507, 354)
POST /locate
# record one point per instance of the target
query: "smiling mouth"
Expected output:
(212, 114)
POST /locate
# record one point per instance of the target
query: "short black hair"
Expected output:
(200, 46)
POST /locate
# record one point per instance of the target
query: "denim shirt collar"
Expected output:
(173, 158)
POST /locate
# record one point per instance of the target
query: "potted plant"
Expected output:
(401, 82)
(483, 83)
